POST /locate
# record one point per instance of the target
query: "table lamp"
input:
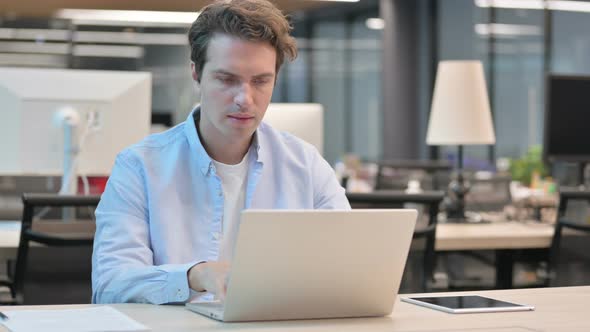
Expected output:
(460, 115)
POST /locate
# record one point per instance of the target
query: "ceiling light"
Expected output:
(572, 6)
(562, 5)
(375, 23)
(134, 17)
(508, 29)
(520, 4)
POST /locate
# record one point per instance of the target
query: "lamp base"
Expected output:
(454, 203)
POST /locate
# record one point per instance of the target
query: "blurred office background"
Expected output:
(370, 63)
(343, 62)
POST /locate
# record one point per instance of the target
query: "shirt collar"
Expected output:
(204, 161)
(258, 143)
(194, 141)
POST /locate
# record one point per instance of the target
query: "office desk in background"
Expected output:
(497, 235)
(503, 237)
(556, 309)
(9, 239)
(449, 237)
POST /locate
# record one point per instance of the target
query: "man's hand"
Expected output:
(211, 277)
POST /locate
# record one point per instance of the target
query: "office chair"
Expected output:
(394, 174)
(488, 194)
(397, 199)
(66, 245)
(562, 224)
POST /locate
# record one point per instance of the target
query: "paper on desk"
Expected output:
(89, 319)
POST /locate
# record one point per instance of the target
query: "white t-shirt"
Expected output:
(233, 184)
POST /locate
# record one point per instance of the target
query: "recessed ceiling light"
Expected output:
(562, 5)
(101, 16)
(375, 23)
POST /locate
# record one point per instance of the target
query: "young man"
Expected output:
(168, 219)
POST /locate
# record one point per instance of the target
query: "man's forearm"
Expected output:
(144, 284)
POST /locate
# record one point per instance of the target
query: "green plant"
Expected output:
(522, 169)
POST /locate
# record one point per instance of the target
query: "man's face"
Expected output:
(236, 86)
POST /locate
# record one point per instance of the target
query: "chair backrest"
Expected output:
(398, 199)
(488, 193)
(566, 196)
(54, 239)
(395, 174)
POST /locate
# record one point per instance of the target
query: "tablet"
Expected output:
(466, 304)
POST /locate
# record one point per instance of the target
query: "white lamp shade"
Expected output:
(460, 112)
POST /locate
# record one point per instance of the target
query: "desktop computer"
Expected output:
(305, 121)
(57, 121)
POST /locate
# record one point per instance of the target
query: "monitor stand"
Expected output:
(68, 119)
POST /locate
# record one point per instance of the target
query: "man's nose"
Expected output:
(244, 95)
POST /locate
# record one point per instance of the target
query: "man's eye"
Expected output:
(260, 81)
(228, 80)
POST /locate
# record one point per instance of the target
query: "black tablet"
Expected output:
(466, 304)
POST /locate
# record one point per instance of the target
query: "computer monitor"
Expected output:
(305, 121)
(567, 115)
(31, 138)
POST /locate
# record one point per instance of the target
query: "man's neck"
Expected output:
(224, 149)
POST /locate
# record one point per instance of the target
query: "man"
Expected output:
(168, 219)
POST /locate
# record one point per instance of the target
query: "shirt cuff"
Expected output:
(178, 289)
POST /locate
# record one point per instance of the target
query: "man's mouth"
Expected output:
(241, 116)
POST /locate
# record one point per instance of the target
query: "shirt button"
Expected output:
(220, 194)
(216, 235)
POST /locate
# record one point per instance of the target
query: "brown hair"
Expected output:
(253, 20)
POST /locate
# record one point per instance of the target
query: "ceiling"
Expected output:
(45, 8)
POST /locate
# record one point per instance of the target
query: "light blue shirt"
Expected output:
(162, 208)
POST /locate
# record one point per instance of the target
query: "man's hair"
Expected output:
(252, 20)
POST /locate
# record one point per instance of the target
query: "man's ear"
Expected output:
(194, 73)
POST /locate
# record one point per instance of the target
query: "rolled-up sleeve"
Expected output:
(123, 267)
(328, 193)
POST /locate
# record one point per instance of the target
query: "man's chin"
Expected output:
(241, 132)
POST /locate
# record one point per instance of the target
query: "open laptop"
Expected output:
(308, 264)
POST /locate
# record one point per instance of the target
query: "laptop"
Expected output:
(308, 264)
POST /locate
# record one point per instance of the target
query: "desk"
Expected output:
(500, 235)
(503, 237)
(557, 309)
(449, 237)
(9, 239)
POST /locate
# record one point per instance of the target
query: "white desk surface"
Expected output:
(9, 234)
(498, 235)
(557, 309)
(9, 239)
